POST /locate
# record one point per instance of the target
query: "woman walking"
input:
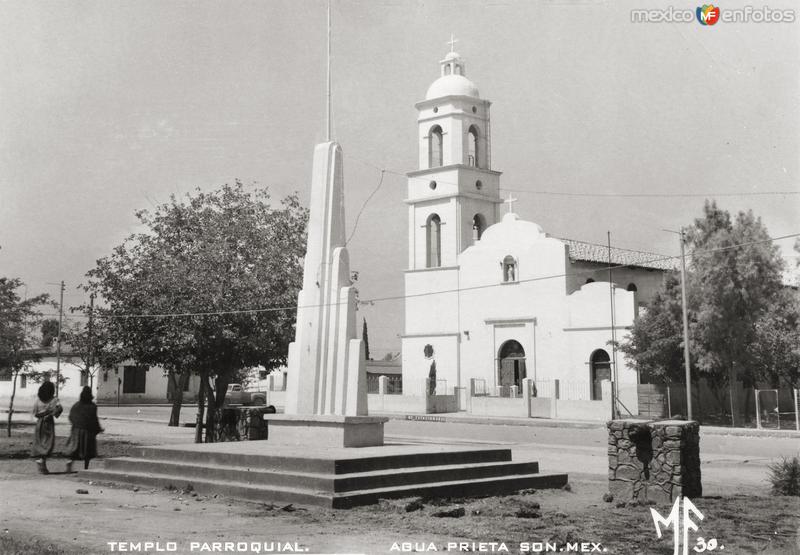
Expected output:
(45, 409)
(82, 443)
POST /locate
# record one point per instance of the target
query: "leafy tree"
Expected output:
(49, 329)
(735, 278)
(655, 344)
(735, 306)
(17, 317)
(776, 352)
(205, 289)
(94, 347)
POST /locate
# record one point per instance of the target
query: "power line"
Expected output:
(609, 195)
(658, 258)
(358, 216)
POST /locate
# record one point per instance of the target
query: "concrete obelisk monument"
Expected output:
(327, 372)
(326, 395)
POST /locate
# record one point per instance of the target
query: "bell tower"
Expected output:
(453, 196)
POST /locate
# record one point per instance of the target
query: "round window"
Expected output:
(474, 110)
(432, 185)
(435, 110)
(478, 185)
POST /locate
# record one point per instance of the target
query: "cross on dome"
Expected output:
(452, 42)
(510, 201)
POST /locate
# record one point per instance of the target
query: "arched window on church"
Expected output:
(472, 147)
(435, 147)
(632, 287)
(588, 281)
(478, 226)
(433, 241)
(509, 269)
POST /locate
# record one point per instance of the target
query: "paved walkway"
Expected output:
(159, 414)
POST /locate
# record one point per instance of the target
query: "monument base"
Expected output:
(325, 430)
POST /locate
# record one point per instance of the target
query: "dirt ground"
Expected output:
(42, 514)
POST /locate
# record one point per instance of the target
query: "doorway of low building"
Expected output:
(600, 364)
(510, 367)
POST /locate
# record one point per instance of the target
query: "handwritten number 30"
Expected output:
(703, 545)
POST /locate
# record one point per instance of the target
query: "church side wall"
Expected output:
(647, 281)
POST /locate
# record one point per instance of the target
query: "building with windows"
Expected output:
(491, 299)
(131, 383)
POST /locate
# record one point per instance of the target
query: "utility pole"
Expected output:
(686, 359)
(58, 339)
(614, 385)
(90, 355)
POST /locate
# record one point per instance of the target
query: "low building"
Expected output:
(131, 383)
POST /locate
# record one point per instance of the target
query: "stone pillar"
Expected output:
(383, 382)
(675, 468)
(653, 461)
(513, 392)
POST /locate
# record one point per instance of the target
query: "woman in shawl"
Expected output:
(45, 409)
(82, 443)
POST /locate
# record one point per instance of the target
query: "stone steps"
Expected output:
(318, 481)
(337, 478)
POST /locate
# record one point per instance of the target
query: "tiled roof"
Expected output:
(591, 252)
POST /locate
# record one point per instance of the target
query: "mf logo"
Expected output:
(707, 14)
(681, 521)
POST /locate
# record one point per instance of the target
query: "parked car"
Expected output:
(236, 395)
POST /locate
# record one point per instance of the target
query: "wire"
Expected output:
(659, 258)
(654, 195)
(609, 195)
(358, 216)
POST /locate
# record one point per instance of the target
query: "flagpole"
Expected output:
(328, 110)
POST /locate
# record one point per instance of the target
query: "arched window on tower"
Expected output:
(435, 147)
(478, 225)
(433, 241)
(472, 147)
(447, 69)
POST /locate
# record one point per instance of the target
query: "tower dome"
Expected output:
(452, 81)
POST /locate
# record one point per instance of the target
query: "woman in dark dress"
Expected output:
(45, 409)
(82, 443)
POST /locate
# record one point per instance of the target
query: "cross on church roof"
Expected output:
(510, 201)
(452, 42)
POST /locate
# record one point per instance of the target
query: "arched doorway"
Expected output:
(510, 367)
(601, 370)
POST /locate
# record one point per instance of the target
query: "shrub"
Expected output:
(784, 475)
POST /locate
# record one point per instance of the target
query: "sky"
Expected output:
(107, 107)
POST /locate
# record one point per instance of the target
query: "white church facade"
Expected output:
(491, 299)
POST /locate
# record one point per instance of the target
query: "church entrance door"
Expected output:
(510, 367)
(601, 370)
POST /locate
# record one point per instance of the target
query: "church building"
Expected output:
(491, 299)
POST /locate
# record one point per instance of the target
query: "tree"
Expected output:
(209, 288)
(776, 352)
(17, 317)
(93, 346)
(733, 281)
(365, 337)
(735, 277)
(49, 329)
(655, 344)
